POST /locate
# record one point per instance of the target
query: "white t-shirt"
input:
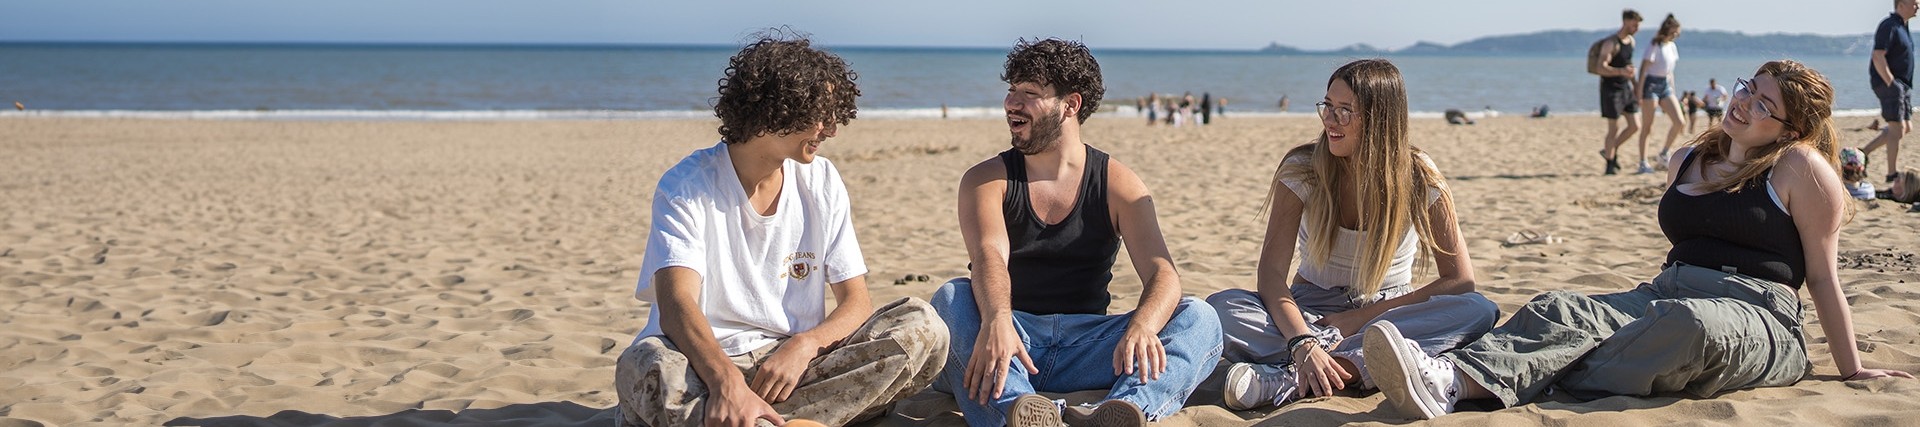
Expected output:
(1716, 96)
(762, 277)
(1340, 267)
(1663, 56)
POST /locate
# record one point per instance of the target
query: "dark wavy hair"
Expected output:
(779, 84)
(1066, 65)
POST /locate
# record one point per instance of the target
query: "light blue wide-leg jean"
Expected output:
(1074, 352)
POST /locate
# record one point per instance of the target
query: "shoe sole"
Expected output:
(1112, 413)
(1401, 383)
(1034, 411)
(1235, 376)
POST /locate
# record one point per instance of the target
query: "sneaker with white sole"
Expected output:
(1253, 385)
(1111, 413)
(1416, 384)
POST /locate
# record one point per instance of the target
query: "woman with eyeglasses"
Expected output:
(1753, 209)
(1364, 205)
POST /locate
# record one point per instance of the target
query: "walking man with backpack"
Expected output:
(1611, 58)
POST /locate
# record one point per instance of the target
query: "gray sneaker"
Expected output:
(1111, 413)
(1034, 410)
(1416, 384)
(1253, 385)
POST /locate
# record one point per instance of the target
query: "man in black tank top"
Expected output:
(1043, 223)
(1617, 95)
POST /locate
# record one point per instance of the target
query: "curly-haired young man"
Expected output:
(1043, 222)
(746, 238)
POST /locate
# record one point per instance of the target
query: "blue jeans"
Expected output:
(1438, 324)
(1074, 352)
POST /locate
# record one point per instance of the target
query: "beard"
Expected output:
(1043, 132)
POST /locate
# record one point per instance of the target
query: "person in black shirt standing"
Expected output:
(1617, 95)
(1892, 78)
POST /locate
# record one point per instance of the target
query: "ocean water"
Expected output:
(639, 82)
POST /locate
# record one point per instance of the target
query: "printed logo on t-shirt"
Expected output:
(798, 267)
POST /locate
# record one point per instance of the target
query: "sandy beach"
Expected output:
(203, 272)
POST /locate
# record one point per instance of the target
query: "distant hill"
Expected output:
(1575, 42)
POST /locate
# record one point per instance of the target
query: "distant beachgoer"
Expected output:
(1853, 173)
(1539, 112)
(1294, 337)
(1457, 117)
(1753, 219)
(1617, 99)
(1173, 110)
(1153, 108)
(1221, 107)
(1892, 80)
(1715, 101)
(738, 270)
(943, 111)
(1283, 103)
(1656, 83)
(1187, 104)
(1692, 103)
(1905, 187)
(1206, 108)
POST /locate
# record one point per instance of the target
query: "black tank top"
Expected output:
(1622, 57)
(1061, 268)
(1743, 231)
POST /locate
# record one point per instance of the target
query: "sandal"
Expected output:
(1529, 237)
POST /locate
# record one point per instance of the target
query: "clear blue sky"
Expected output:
(1176, 24)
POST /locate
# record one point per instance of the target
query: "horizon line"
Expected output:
(591, 44)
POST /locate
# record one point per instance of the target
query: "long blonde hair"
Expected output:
(1390, 180)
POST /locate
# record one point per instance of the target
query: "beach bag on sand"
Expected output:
(1594, 61)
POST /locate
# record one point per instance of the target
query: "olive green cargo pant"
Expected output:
(1692, 329)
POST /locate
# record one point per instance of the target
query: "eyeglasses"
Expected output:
(1341, 116)
(1743, 91)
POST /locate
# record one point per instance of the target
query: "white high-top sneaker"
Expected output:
(1416, 384)
(1252, 385)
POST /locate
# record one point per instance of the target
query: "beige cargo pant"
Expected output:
(895, 354)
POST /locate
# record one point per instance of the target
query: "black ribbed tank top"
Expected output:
(1621, 58)
(1743, 232)
(1060, 268)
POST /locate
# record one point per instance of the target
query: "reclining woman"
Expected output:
(1753, 209)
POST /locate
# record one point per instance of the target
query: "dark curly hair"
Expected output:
(780, 84)
(1065, 65)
